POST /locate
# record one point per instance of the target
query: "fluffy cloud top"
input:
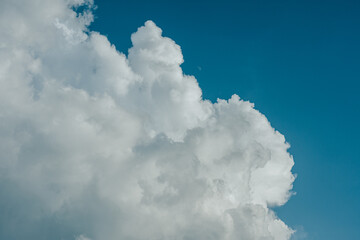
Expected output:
(98, 145)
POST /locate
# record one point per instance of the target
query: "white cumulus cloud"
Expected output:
(98, 145)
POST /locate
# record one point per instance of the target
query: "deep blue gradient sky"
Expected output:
(299, 62)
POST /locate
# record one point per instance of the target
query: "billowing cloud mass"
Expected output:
(97, 145)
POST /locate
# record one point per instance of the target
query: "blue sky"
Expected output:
(100, 145)
(298, 61)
